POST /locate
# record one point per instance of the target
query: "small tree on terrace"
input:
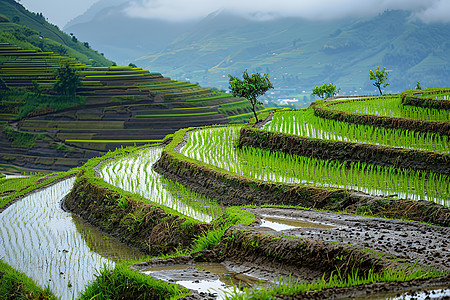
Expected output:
(67, 81)
(380, 77)
(325, 90)
(250, 87)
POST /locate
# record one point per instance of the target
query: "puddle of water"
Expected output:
(104, 245)
(39, 239)
(280, 224)
(433, 293)
(210, 278)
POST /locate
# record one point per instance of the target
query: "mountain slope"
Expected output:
(123, 38)
(300, 54)
(31, 31)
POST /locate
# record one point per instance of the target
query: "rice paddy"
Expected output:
(392, 107)
(39, 239)
(303, 123)
(135, 174)
(216, 147)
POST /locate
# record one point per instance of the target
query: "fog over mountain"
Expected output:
(181, 10)
(299, 45)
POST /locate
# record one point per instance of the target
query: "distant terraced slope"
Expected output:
(115, 106)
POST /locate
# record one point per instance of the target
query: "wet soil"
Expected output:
(410, 242)
(302, 252)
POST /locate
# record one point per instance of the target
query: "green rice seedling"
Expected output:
(287, 287)
(303, 123)
(215, 146)
(392, 107)
(134, 174)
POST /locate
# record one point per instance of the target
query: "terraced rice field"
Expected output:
(40, 239)
(216, 147)
(305, 124)
(134, 174)
(392, 107)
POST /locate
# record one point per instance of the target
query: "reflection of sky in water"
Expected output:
(135, 174)
(213, 278)
(39, 239)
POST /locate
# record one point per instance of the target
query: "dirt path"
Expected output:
(411, 242)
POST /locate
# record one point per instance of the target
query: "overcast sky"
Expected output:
(60, 12)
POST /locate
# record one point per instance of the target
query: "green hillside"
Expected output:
(114, 106)
(31, 31)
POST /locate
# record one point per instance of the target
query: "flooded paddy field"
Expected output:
(53, 247)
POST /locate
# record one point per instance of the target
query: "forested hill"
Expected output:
(31, 31)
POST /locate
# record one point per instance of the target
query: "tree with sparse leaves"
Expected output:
(325, 90)
(380, 77)
(67, 81)
(250, 87)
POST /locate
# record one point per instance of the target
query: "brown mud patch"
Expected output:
(409, 242)
(306, 254)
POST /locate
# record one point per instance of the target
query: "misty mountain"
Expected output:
(108, 28)
(299, 54)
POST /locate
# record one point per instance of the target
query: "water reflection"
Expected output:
(134, 174)
(39, 239)
(103, 244)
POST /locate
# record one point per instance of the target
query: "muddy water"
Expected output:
(212, 279)
(135, 174)
(280, 223)
(41, 240)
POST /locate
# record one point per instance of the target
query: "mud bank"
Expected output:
(235, 190)
(268, 256)
(308, 253)
(409, 242)
(344, 151)
(143, 226)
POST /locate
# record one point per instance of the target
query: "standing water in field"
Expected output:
(39, 239)
(134, 174)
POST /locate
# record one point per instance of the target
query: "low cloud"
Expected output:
(438, 11)
(182, 10)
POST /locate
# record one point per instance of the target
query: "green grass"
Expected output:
(192, 108)
(124, 283)
(21, 139)
(16, 285)
(17, 184)
(209, 98)
(28, 185)
(336, 281)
